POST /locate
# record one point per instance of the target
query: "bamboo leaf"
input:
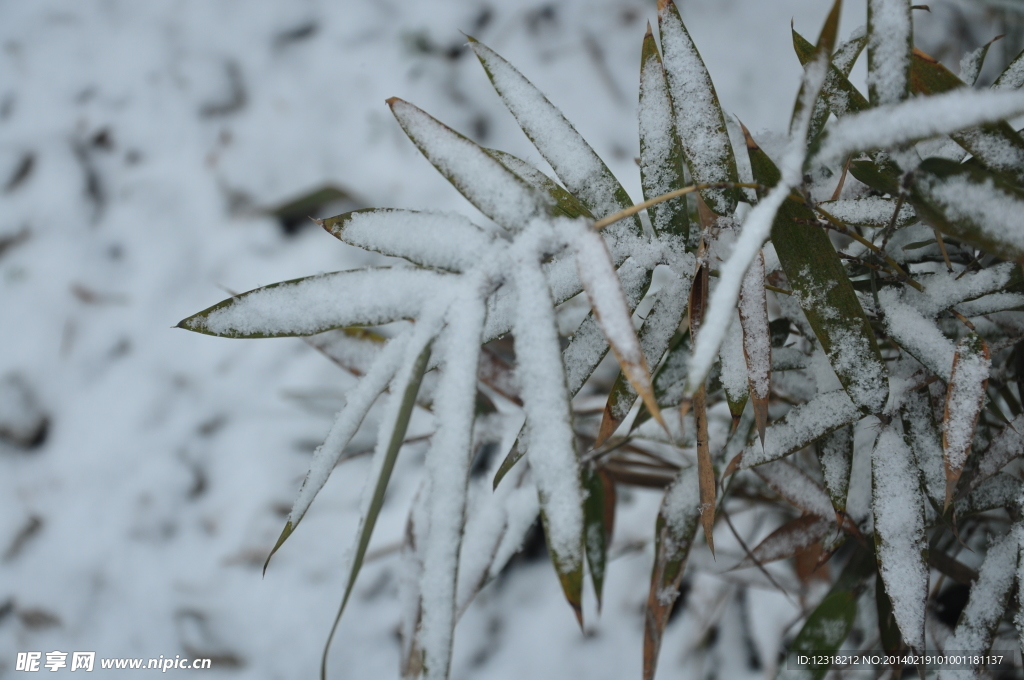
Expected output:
(826, 295)
(393, 428)
(925, 441)
(870, 211)
(898, 505)
(613, 313)
(353, 349)
(1004, 447)
(699, 119)
(802, 426)
(757, 341)
(996, 145)
(835, 454)
(599, 517)
(797, 487)
(661, 154)
(790, 539)
(890, 42)
(888, 631)
(582, 172)
(673, 538)
(1000, 491)
(965, 397)
(826, 43)
(485, 182)
(838, 92)
(734, 374)
(1012, 76)
(705, 467)
(971, 63)
(314, 304)
(971, 204)
(565, 203)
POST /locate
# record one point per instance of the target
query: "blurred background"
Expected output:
(155, 157)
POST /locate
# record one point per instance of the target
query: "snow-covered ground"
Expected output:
(141, 145)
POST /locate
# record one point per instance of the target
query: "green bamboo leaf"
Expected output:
(871, 211)
(314, 304)
(925, 441)
(881, 174)
(890, 42)
(838, 92)
(888, 631)
(674, 530)
(835, 454)
(972, 62)
(565, 203)
(412, 379)
(445, 241)
(495, 190)
(971, 204)
(661, 154)
(826, 43)
(831, 621)
(581, 170)
(996, 145)
(599, 522)
(826, 296)
(700, 122)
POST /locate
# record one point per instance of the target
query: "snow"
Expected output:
(916, 119)
(757, 345)
(835, 454)
(1003, 448)
(734, 367)
(899, 525)
(869, 211)
(965, 397)
(797, 487)
(1012, 78)
(790, 539)
(889, 42)
(430, 239)
(926, 443)
(916, 334)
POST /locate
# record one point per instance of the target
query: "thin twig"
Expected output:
(771, 579)
(838, 225)
(942, 249)
(634, 209)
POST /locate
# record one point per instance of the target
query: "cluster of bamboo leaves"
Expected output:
(833, 321)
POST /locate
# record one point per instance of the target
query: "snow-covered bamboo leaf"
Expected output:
(1012, 77)
(1004, 447)
(394, 424)
(673, 536)
(988, 600)
(898, 505)
(831, 621)
(996, 145)
(824, 48)
(314, 304)
(655, 334)
(971, 62)
(582, 172)
(967, 202)
(551, 440)
(661, 155)
(999, 491)
(835, 455)
(802, 426)
(888, 630)
(791, 538)
(599, 516)
(733, 374)
(565, 203)
(843, 59)
(797, 487)
(916, 334)
(485, 182)
(447, 467)
(446, 241)
(916, 119)
(881, 174)
(699, 119)
(869, 211)
(826, 295)
(965, 397)
(890, 42)
(757, 341)
(614, 314)
(838, 92)
(925, 439)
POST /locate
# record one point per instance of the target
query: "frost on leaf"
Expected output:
(889, 45)
(965, 397)
(898, 505)
(835, 454)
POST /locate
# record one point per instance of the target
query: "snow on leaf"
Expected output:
(869, 211)
(661, 156)
(820, 62)
(551, 440)
(353, 349)
(581, 170)
(734, 369)
(835, 455)
(890, 41)
(898, 505)
(430, 239)
(1003, 448)
(802, 426)
(797, 487)
(971, 63)
(788, 540)
(613, 313)
(838, 92)
(965, 397)
(926, 442)
(673, 535)
(999, 491)
(757, 341)
(565, 203)
(915, 119)
(916, 334)
(314, 304)
(484, 181)
(988, 599)
(699, 119)
(1012, 77)
(447, 467)
(970, 203)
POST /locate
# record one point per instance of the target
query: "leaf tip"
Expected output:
(391, 101)
(285, 533)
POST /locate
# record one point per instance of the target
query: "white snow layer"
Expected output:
(889, 41)
(965, 397)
